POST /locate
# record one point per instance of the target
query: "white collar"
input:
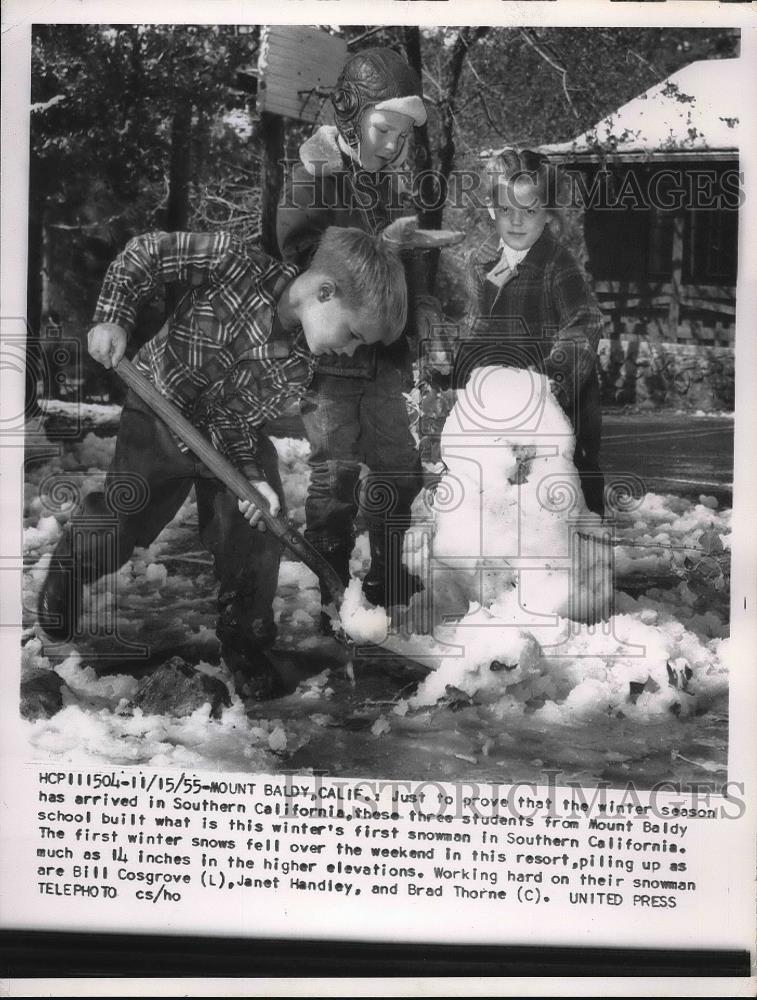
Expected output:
(511, 257)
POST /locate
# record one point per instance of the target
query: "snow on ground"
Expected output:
(361, 621)
(618, 687)
(503, 540)
(90, 413)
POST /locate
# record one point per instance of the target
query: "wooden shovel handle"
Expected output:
(230, 476)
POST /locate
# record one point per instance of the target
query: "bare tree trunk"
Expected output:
(427, 190)
(177, 210)
(46, 270)
(428, 187)
(466, 38)
(271, 134)
(34, 273)
(179, 176)
(52, 387)
(200, 144)
(34, 288)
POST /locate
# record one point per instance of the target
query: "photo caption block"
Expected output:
(176, 847)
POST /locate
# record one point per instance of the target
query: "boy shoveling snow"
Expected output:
(238, 346)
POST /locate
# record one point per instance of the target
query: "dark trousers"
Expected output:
(588, 441)
(350, 421)
(147, 483)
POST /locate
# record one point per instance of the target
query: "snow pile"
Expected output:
(80, 412)
(82, 735)
(362, 622)
(45, 533)
(96, 724)
(630, 668)
(504, 561)
(55, 486)
(665, 535)
(156, 575)
(317, 687)
(494, 549)
(89, 689)
(293, 455)
(507, 509)
(93, 453)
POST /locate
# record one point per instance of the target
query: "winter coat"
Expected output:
(323, 190)
(218, 358)
(544, 315)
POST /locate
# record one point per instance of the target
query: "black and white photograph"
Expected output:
(375, 420)
(525, 492)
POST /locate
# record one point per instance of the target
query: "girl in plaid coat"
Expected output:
(530, 304)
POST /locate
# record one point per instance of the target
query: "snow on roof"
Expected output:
(697, 109)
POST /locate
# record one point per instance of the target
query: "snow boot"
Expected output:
(60, 599)
(336, 552)
(242, 643)
(80, 557)
(388, 582)
(87, 550)
(253, 674)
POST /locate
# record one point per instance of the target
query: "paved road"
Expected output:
(669, 452)
(672, 453)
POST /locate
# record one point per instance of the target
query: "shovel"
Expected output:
(231, 477)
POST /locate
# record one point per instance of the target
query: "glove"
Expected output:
(400, 232)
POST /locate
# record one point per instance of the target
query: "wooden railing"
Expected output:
(704, 313)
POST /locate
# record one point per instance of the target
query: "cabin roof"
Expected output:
(693, 114)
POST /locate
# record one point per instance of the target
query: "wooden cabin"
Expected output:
(660, 182)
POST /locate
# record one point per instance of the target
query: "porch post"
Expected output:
(676, 278)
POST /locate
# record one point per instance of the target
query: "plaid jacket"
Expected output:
(217, 357)
(543, 315)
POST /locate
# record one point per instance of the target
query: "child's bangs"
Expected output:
(510, 165)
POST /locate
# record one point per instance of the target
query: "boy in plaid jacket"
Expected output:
(242, 341)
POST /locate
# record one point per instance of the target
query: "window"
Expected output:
(660, 244)
(711, 253)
